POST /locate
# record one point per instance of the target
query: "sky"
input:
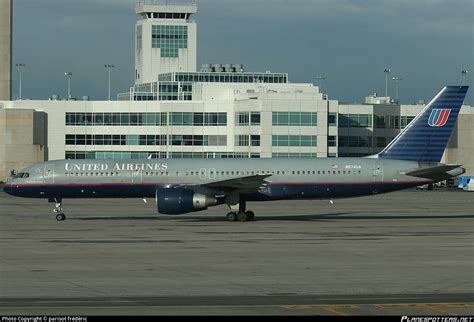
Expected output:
(348, 42)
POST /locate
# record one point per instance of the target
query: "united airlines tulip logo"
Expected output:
(439, 117)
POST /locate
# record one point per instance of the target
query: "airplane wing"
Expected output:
(248, 184)
(436, 172)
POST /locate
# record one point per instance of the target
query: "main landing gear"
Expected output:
(58, 210)
(240, 216)
(237, 207)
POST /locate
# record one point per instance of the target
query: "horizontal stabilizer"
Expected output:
(440, 172)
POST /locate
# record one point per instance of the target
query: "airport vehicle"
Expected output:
(463, 181)
(470, 185)
(182, 186)
(426, 186)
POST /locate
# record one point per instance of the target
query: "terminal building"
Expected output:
(174, 110)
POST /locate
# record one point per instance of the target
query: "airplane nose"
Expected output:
(7, 188)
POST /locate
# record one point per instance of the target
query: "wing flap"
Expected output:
(243, 184)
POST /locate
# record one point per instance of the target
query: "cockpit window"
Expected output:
(21, 175)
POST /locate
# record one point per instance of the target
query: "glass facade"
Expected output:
(224, 77)
(101, 155)
(247, 140)
(294, 118)
(247, 118)
(294, 140)
(294, 155)
(139, 37)
(405, 120)
(170, 82)
(169, 39)
(332, 119)
(198, 119)
(355, 120)
(106, 139)
(198, 140)
(355, 141)
(116, 119)
(146, 119)
(392, 121)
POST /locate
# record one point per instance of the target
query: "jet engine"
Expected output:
(175, 201)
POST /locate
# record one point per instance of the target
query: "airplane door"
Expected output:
(137, 176)
(48, 175)
(202, 174)
(212, 174)
(378, 172)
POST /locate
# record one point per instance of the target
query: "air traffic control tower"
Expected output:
(165, 40)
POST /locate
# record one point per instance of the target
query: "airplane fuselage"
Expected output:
(289, 178)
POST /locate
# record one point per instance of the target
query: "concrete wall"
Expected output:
(17, 139)
(5, 49)
(460, 149)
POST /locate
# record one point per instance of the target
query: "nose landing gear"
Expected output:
(58, 210)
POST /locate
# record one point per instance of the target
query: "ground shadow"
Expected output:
(299, 217)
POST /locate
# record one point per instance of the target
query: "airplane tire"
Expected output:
(242, 216)
(60, 217)
(250, 215)
(231, 216)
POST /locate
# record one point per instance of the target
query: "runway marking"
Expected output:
(331, 308)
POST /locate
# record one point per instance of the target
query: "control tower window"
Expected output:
(169, 39)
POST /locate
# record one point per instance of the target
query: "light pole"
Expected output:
(68, 76)
(109, 67)
(396, 79)
(20, 68)
(386, 71)
(321, 79)
(464, 74)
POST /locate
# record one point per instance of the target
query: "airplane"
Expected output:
(182, 186)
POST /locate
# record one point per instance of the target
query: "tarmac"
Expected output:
(404, 253)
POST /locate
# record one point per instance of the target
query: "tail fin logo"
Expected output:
(439, 117)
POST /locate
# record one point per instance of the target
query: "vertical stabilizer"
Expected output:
(426, 137)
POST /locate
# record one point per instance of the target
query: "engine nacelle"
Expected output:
(176, 201)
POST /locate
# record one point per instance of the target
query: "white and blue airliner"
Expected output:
(182, 186)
